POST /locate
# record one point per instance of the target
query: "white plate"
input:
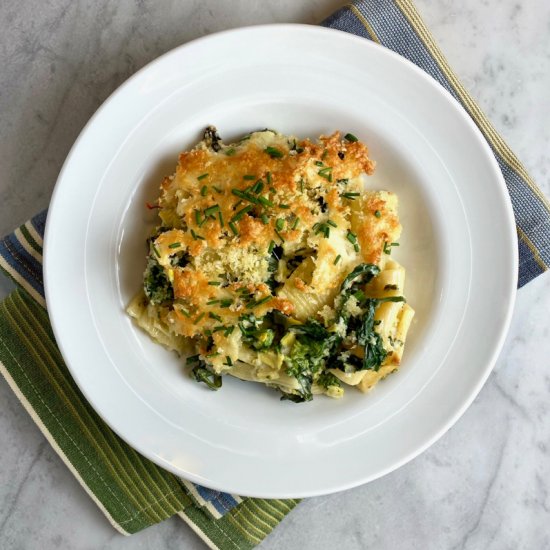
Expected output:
(458, 245)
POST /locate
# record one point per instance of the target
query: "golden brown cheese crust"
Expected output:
(225, 210)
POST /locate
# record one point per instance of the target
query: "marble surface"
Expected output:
(486, 483)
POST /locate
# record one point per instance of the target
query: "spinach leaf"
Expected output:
(365, 271)
(370, 339)
(327, 379)
(254, 333)
(313, 345)
(295, 398)
(156, 285)
(202, 374)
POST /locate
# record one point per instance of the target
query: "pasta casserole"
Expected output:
(272, 263)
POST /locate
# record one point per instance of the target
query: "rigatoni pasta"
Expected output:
(272, 262)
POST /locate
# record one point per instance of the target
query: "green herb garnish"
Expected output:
(242, 212)
(351, 138)
(350, 196)
(273, 152)
(326, 173)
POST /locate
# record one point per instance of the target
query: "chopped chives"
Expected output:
(228, 361)
(238, 215)
(198, 218)
(202, 177)
(229, 330)
(285, 206)
(351, 237)
(302, 185)
(204, 189)
(279, 235)
(249, 177)
(185, 312)
(262, 301)
(215, 317)
(210, 212)
(377, 213)
(265, 202)
(245, 196)
(271, 247)
(324, 155)
(296, 222)
(233, 228)
(350, 196)
(199, 318)
(226, 302)
(192, 359)
(230, 152)
(272, 190)
(326, 173)
(214, 283)
(330, 222)
(337, 259)
(279, 224)
(156, 251)
(265, 219)
(318, 163)
(356, 247)
(268, 178)
(217, 189)
(322, 228)
(212, 302)
(273, 152)
(351, 138)
(221, 218)
(258, 186)
(174, 245)
(195, 236)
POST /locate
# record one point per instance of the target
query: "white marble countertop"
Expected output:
(486, 483)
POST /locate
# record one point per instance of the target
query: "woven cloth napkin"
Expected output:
(131, 491)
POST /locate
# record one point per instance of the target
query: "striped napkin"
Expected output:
(131, 491)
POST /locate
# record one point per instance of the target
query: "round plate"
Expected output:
(458, 246)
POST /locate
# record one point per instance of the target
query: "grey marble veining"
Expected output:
(486, 483)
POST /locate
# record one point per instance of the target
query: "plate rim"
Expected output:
(508, 211)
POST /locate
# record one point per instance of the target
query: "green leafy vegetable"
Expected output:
(273, 152)
(202, 374)
(156, 285)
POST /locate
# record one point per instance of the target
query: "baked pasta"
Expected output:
(272, 263)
